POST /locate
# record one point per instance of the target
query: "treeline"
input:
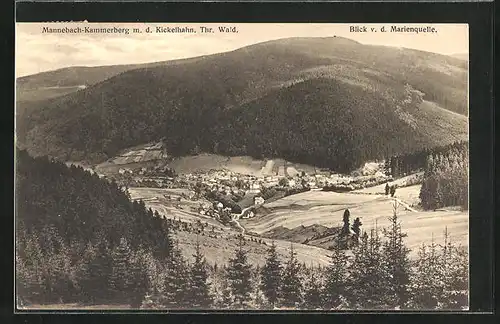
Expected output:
(446, 179)
(378, 275)
(90, 245)
(75, 233)
(401, 164)
(322, 122)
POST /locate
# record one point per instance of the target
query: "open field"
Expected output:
(409, 195)
(151, 154)
(400, 183)
(219, 250)
(305, 209)
(166, 202)
(327, 208)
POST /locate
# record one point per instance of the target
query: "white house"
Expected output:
(258, 200)
(255, 186)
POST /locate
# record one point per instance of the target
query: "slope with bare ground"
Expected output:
(313, 90)
(327, 208)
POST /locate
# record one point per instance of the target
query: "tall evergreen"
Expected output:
(176, 285)
(335, 289)
(426, 283)
(139, 278)
(368, 279)
(29, 268)
(313, 291)
(238, 274)
(99, 270)
(356, 227)
(121, 279)
(199, 291)
(396, 262)
(345, 221)
(271, 276)
(291, 286)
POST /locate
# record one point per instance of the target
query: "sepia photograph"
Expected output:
(247, 166)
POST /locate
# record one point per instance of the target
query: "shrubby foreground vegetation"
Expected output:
(80, 240)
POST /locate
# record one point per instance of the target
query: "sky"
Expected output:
(39, 52)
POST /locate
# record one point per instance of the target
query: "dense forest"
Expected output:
(75, 233)
(446, 178)
(401, 164)
(331, 101)
(80, 240)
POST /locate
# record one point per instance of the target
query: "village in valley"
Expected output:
(315, 173)
(219, 195)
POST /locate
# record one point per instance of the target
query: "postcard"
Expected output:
(262, 166)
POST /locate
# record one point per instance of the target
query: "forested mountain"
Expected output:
(272, 98)
(80, 239)
(80, 206)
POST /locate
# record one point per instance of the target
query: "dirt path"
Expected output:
(405, 205)
(236, 218)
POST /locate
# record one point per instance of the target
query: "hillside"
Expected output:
(52, 84)
(213, 104)
(461, 56)
(81, 207)
(325, 209)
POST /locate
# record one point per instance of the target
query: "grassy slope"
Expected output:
(218, 249)
(327, 209)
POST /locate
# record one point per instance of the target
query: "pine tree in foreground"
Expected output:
(313, 291)
(271, 276)
(397, 264)
(29, 261)
(120, 279)
(426, 282)
(97, 283)
(368, 278)
(139, 278)
(291, 287)
(238, 274)
(335, 291)
(176, 285)
(199, 292)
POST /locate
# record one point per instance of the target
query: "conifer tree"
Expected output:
(139, 278)
(345, 220)
(238, 274)
(335, 288)
(99, 271)
(291, 286)
(200, 296)
(29, 262)
(121, 279)
(271, 276)
(396, 262)
(368, 279)
(176, 285)
(313, 291)
(356, 227)
(426, 285)
(226, 299)
(458, 295)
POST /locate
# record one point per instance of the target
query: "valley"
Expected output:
(215, 181)
(301, 219)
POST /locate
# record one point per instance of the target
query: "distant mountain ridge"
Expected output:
(461, 56)
(330, 101)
